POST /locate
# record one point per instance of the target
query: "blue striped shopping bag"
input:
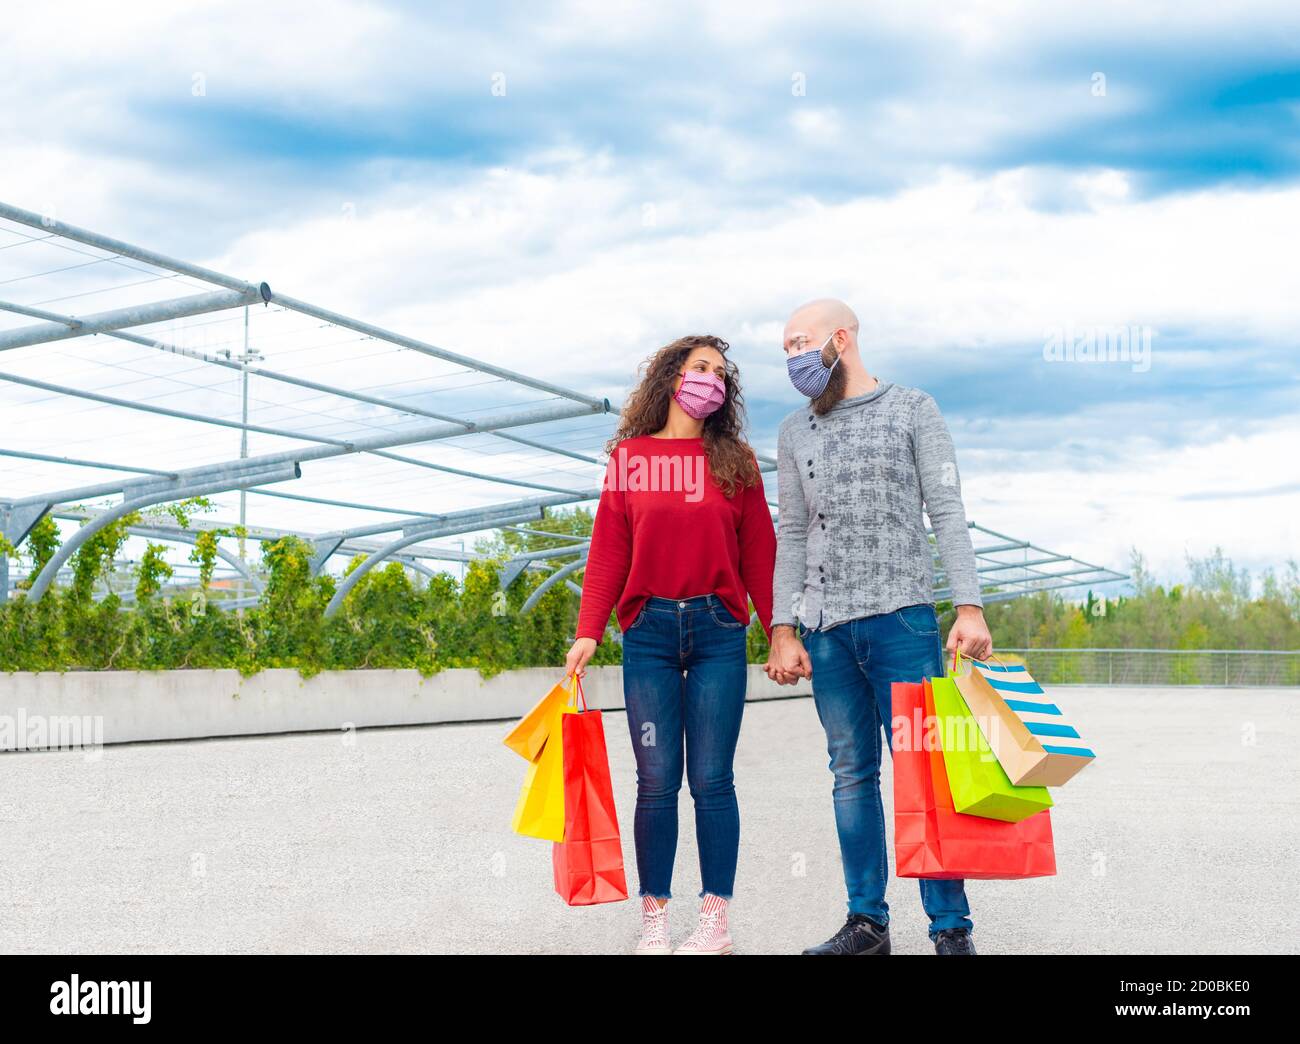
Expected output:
(1032, 739)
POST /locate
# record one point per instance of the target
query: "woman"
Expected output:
(683, 539)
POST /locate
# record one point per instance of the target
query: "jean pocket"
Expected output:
(919, 619)
(723, 618)
(637, 622)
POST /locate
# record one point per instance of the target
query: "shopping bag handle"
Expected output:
(576, 694)
(957, 658)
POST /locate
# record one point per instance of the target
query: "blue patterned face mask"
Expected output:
(808, 373)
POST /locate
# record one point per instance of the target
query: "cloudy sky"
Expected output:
(561, 191)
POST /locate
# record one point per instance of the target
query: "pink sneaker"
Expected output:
(654, 927)
(710, 937)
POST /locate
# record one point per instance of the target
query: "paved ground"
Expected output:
(1181, 838)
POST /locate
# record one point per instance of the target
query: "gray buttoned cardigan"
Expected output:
(851, 539)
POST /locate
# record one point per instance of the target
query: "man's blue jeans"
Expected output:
(684, 674)
(853, 666)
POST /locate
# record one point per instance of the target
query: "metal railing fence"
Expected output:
(1222, 667)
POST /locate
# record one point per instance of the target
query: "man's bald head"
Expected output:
(830, 325)
(825, 314)
(812, 323)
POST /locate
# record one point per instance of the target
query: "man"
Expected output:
(855, 577)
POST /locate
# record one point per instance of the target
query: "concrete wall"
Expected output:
(129, 706)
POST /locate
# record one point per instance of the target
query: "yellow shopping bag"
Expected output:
(540, 809)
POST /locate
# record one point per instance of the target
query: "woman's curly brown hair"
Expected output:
(731, 460)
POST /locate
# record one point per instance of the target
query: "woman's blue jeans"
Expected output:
(853, 667)
(684, 672)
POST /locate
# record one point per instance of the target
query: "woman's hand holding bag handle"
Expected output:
(580, 654)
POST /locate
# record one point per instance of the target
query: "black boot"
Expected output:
(954, 940)
(860, 934)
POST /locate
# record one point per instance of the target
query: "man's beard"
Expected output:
(833, 392)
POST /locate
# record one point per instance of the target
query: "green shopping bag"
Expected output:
(979, 785)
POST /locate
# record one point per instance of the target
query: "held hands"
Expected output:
(579, 654)
(788, 660)
(970, 634)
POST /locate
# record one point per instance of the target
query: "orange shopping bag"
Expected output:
(526, 738)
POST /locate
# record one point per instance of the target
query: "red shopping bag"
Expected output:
(588, 863)
(932, 839)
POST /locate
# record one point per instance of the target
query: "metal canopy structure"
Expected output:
(133, 380)
(1008, 568)
(108, 350)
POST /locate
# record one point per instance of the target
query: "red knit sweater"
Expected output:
(663, 527)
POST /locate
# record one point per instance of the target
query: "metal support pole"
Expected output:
(244, 359)
(137, 315)
(17, 518)
(323, 551)
(513, 567)
(260, 534)
(175, 492)
(429, 433)
(549, 536)
(406, 408)
(560, 574)
(485, 510)
(165, 411)
(80, 463)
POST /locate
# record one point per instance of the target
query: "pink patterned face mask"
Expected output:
(700, 393)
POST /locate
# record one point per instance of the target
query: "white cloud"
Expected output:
(1098, 514)
(563, 260)
(572, 261)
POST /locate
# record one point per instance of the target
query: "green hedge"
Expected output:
(387, 622)
(384, 622)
